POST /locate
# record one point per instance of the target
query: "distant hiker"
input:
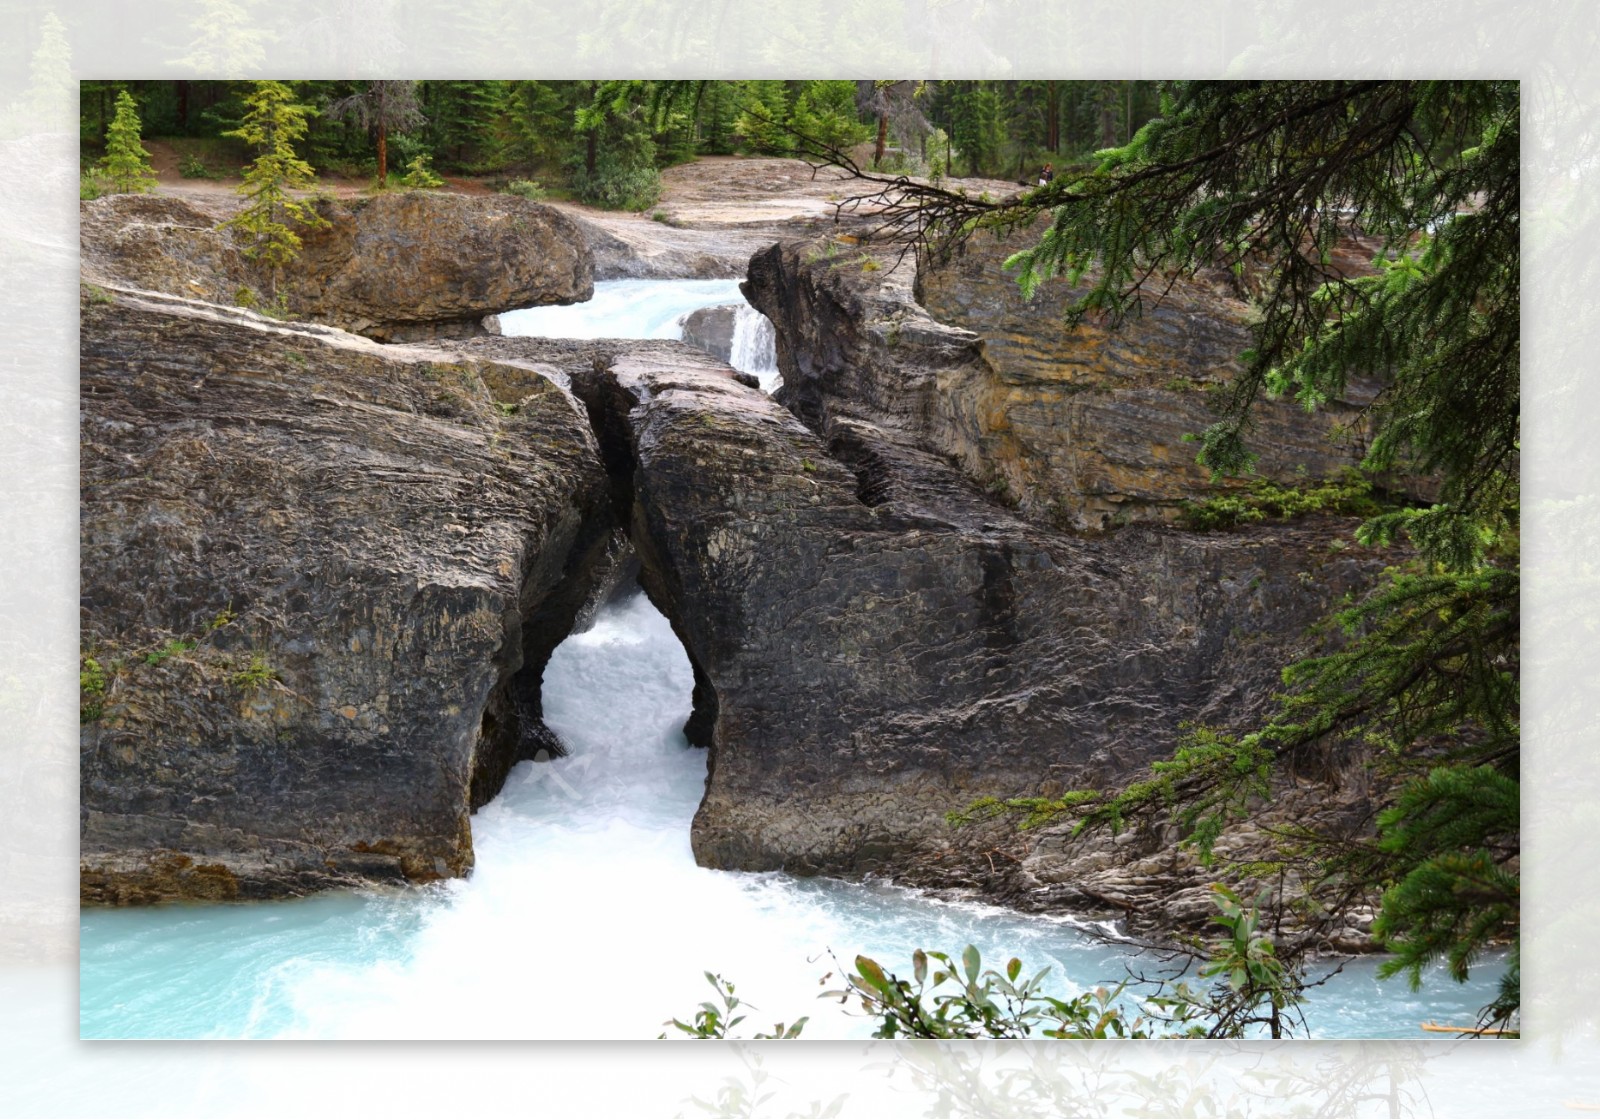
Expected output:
(1046, 173)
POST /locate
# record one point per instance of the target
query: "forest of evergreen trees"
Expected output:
(605, 141)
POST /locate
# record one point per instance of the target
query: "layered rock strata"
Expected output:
(320, 578)
(1077, 429)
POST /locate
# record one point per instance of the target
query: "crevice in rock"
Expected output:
(608, 404)
(874, 474)
(513, 728)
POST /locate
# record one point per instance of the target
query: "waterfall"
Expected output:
(755, 346)
(657, 309)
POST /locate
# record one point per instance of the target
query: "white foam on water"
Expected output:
(586, 916)
(655, 309)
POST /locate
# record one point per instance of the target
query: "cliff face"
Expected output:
(319, 581)
(410, 266)
(1078, 430)
(875, 647)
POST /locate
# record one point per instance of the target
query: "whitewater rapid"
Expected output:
(656, 309)
(585, 916)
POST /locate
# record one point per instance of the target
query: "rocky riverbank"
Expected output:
(322, 576)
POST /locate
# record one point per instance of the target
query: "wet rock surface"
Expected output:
(319, 579)
(877, 642)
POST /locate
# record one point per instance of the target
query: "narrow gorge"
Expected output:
(328, 554)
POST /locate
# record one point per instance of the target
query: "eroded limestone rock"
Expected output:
(320, 578)
(1078, 430)
(879, 645)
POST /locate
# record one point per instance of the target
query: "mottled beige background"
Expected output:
(1552, 46)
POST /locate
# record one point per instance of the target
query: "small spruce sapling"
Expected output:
(126, 166)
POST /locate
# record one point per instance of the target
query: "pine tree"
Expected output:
(126, 164)
(1260, 180)
(273, 122)
(383, 107)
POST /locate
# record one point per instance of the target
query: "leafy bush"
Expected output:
(614, 166)
(1251, 987)
(256, 672)
(193, 167)
(526, 188)
(91, 184)
(711, 1021)
(91, 689)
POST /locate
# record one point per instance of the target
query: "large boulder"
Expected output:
(411, 265)
(320, 578)
(711, 329)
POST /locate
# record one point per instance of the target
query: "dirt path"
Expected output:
(712, 214)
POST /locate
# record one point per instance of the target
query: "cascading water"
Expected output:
(755, 346)
(586, 916)
(656, 309)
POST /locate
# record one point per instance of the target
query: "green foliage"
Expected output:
(616, 169)
(193, 167)
(950, 996)
(420, 175)
(947, 998)
(126, 166)
(382, 108)
(256, 673)
(762, 115)
(1254, 985)
(272, 124)
(91, 689)
(1348, 494)
(714, 1021)
(1449, 836)
(826, 112)
(91, 184)
(526, 188)
(170, 648)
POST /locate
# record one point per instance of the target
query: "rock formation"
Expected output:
(411, 265)
(320, 579)
(878, 644)
(711, 329)
(1079, 430)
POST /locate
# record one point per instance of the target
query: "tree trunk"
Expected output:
(383, 136)
(883, 138)
(591, 148)
(1052, 118)
(183, 106)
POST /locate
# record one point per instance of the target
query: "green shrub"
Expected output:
(193, 167)
(1348, 494)
(91, 689)
(256, 673)
(526, 188)
(420, 174)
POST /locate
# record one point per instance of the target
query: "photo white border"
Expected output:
(1551, 47)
